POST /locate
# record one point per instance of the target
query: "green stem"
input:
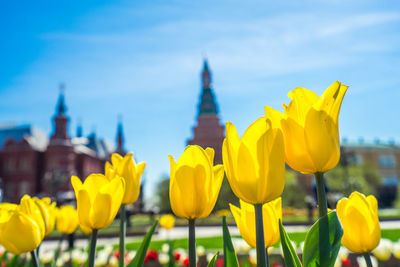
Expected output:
(322, 203)
(35, 259)
(223, 223)
(122, 234)
(260, 242)
(192, 243)
(92, 254)
(367, 258)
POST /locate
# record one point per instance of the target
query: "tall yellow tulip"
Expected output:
(194, 187)
(98, 199)
(245, 221)
(67, 219)
(359, 217)
(255, 163)
(310, 127)
(194, 183)
(21, 226)
(131, 172)
(48, 211)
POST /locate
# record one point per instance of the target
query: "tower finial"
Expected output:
(79, 130)
(120, 136)
(61, 107)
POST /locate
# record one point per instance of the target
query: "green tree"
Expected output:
(345, 180)
(293, 194)
(162, 195)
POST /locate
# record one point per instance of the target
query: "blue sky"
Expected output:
(142, 59)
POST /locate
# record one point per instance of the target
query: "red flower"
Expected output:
(220, 262)
(151, 256)
(177, 256)
(346, 262)
(186, 262)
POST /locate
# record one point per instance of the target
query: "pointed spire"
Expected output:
(207, 104)
(206, 75)
(79, 130)
(61, 107)
(120, 136)
(60, 119)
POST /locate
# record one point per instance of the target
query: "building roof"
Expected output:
(34, 136)
(371, 145)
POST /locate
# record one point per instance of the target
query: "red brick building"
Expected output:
(208, 132)
(31, 163)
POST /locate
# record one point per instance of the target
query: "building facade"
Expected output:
(31, 163)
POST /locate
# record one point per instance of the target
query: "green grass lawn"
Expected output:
(216, 243)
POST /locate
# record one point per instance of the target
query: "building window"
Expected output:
(24, 164)
(390, 181)
(9, 165)
(23, 188)
(10, 189)
(387, 161)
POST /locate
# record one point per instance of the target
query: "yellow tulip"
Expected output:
(311, 129)
(126, 168)
(48, 211)
(359, 217)
(245, 221)
(194, 183)
(255, 164)
(167, 221)
(21, 226)
(98, 199)
(67, 219)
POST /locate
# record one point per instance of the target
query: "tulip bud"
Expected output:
(359, 217)
(167, 221)
(67, 220)
(98, 199)
(245, 221)
(21, 226)
(310, 127)
(48, 211)
(255, 163)
(131, 172)
(194, 183)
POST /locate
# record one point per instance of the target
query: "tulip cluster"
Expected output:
(24, 226)
(306, 137)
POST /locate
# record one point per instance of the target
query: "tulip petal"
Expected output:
(322, 140)
(101, 211)
(84, 205)
(93, 183)
(275, 116)
(296, 153)
(116, 159)
(302, 100)
(114, 190)
(210, 153)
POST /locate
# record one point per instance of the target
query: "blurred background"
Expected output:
(80, 81)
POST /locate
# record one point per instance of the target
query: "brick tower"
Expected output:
(208, 132)
(60, 156)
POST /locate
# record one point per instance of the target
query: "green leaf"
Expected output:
(322, 243)
(290, 255)
(14, 262)
(230, 259)
(213, 261)
(138, 260)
